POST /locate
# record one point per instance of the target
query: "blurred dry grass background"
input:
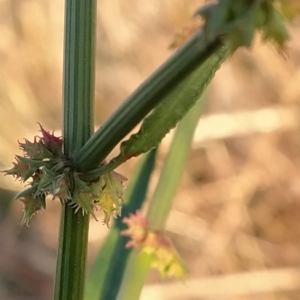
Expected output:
(236, 215)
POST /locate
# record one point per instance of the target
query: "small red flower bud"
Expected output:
(52, 142)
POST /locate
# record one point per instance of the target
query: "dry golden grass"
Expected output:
(236, 215)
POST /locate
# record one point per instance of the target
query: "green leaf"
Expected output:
(170, 111)
(184, 61)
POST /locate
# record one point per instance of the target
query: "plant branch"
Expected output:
(144, 99)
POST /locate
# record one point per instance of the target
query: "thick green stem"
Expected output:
(78, 73)
(144, 99)
(78, 123)
(70, 269)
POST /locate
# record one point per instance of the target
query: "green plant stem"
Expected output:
(144, 99)
(168, 112)
(78, 95)
(79, 65)
(70, 268)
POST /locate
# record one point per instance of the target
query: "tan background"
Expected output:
(236, 215)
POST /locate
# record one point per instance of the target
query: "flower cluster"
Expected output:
(155, 244)
(239, 21)
(48, 171)
(105, 193)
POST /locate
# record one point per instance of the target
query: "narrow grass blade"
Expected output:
(138, 266)
(107, 271)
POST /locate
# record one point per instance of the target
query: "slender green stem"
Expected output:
(142, 101)
(113, 256)
(160, 205)
(78, 123)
